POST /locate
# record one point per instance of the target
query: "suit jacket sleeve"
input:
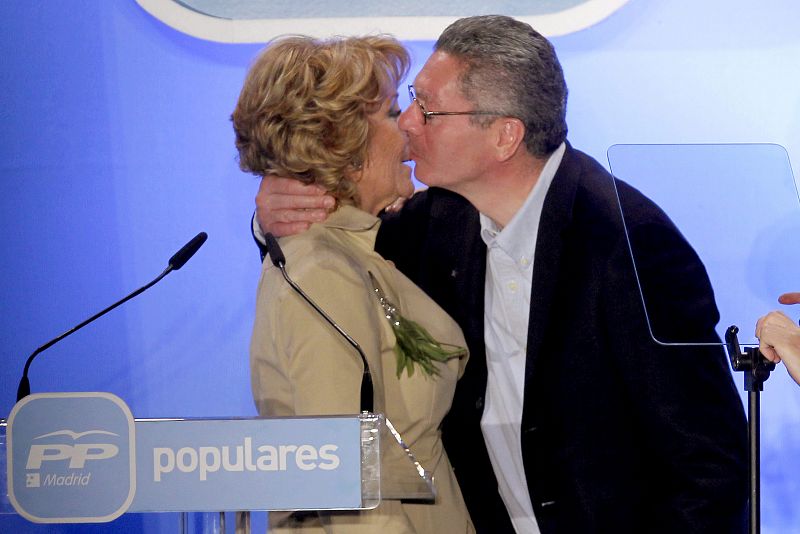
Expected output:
(683, 395)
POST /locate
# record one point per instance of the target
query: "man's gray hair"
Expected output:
(513, 70)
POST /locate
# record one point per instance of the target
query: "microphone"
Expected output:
(279, 261)
(188, 250)
(175, 262)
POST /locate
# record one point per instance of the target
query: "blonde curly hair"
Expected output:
(302, 112)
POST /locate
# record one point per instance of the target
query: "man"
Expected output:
(569, 418)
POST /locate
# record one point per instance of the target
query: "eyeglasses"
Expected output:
(425, 113)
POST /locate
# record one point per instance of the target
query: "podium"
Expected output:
(83, 458)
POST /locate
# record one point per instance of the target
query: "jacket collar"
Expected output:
(352, 219)
(355, 221)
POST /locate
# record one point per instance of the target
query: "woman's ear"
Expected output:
(356, 171)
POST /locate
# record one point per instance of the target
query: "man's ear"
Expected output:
(510, 133)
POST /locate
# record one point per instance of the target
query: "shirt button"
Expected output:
(512, 286)
(524, 261)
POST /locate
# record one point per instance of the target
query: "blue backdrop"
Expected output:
(116, 148)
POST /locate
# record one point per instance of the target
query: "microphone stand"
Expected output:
(24, 388)
(279, 260)
(756, 370)
(175, 262)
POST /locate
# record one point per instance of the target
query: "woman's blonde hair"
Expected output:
(302, 112)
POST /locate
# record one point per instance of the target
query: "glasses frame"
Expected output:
(425, 113)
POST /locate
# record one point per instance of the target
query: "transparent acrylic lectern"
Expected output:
(738, 206)
(383, 468)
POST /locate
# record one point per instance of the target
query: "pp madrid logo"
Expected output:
(71, 457)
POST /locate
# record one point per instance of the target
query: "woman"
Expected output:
(325, 113)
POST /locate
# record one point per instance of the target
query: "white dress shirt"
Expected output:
(509, 273)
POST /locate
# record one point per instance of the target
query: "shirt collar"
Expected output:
(518, 238)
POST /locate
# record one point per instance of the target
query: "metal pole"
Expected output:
(754, 417)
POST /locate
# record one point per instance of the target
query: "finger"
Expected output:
(760, 326)
(275, 201)
(770, 326)
(778, 318)
(288, 186)
(287, 222)
(285, 229)
(307, 216)
(789, 298)
(275, 193)
(769, 353)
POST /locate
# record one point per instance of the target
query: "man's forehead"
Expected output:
(438, 77)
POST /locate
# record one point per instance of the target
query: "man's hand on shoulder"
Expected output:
(285, 206)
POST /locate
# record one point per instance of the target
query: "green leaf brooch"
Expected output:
(414, 344)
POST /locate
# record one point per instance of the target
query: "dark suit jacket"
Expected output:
(619, 433)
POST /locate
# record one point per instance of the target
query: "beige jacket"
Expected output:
(301, 366)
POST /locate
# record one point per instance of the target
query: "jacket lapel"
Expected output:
(464, 254)
(556, 217)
